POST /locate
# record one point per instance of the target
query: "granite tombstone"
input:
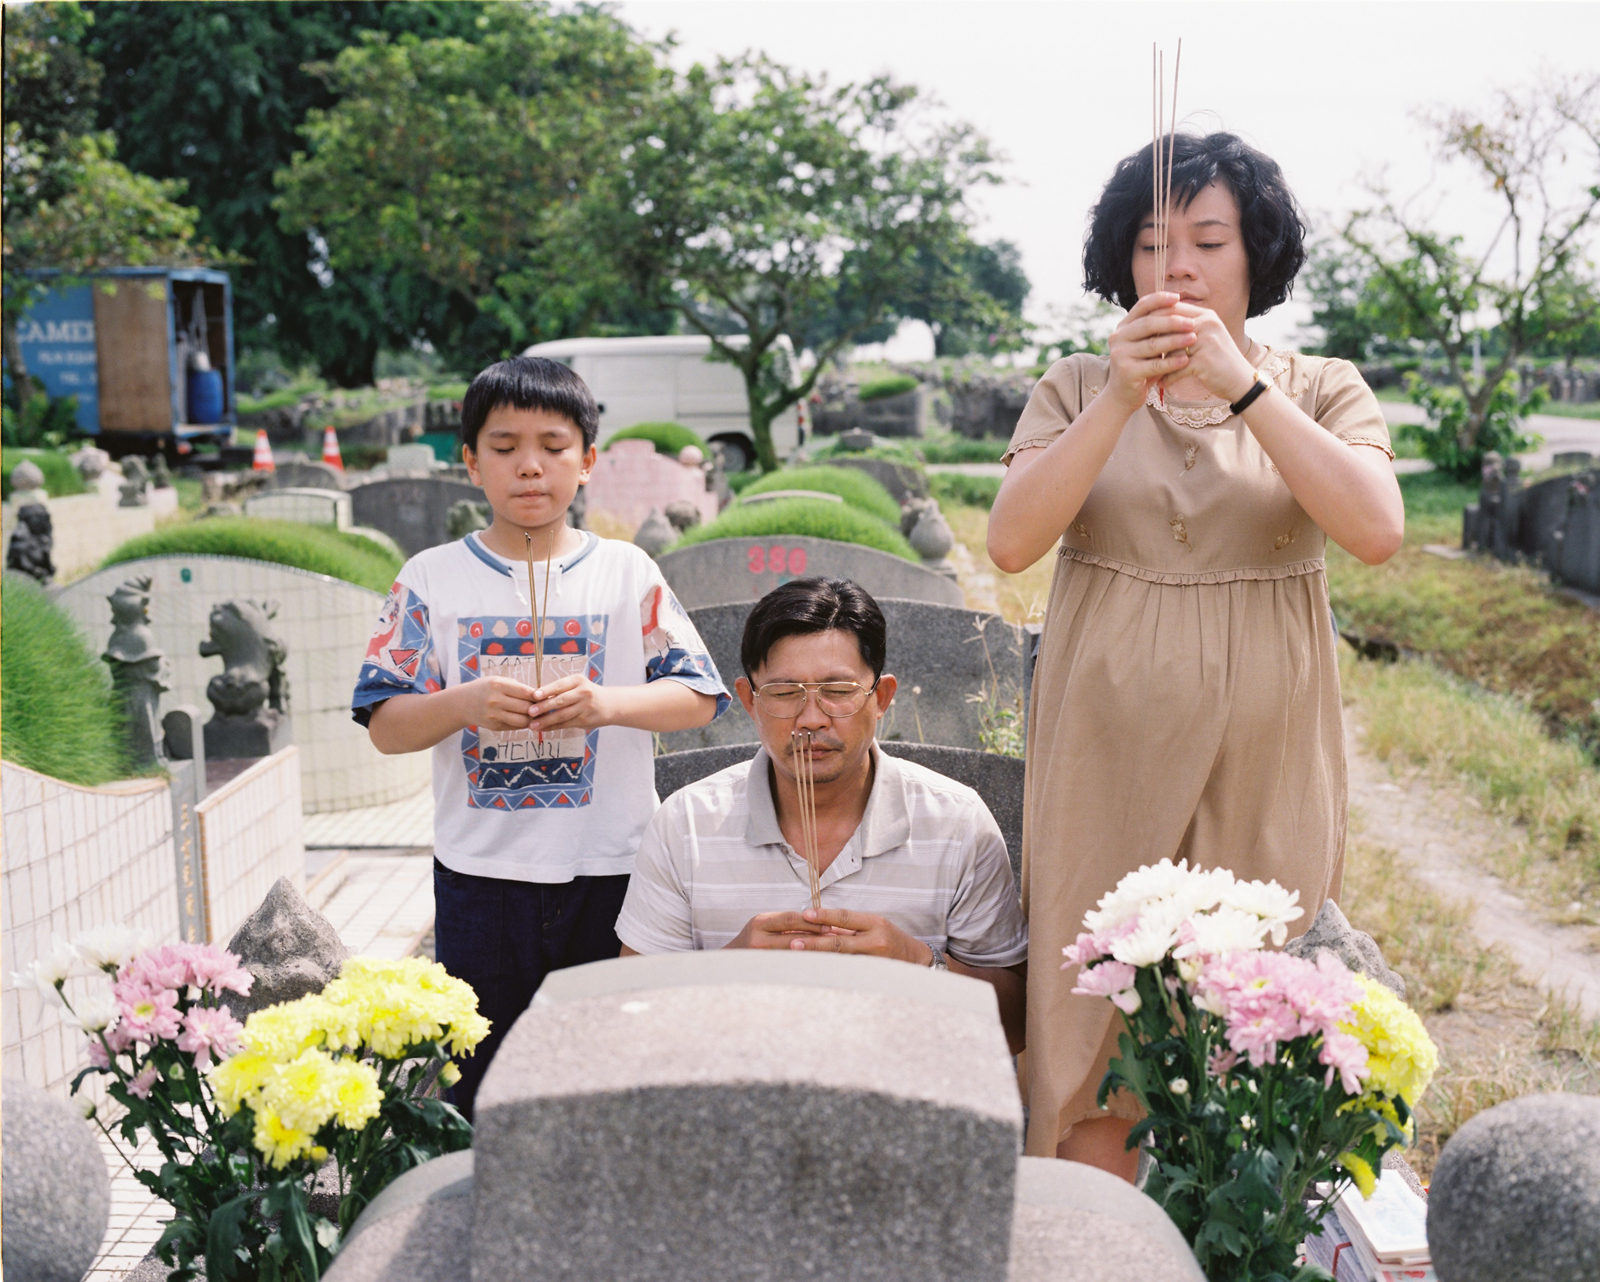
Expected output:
(413, 511)
(722, 571)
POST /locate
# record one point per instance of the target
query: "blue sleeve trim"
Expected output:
(697, 671)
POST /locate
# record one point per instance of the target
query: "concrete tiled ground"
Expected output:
(382, 908)
(402, 823)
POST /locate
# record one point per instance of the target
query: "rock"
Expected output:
(1356, 949)
(1516, 1194)
(997, 779)
(289, 947)
(680, 515)
(57, 1199)
(748, 1115)
(958, 669)
(1074, 1221)
(655, 535)
(26, 476)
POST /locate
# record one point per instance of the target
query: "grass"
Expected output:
(283, 397)
(447, 391)
(1571, 409)
(668, 438)
(1499, 625)
(947, 447)
(1498, 1037)
(974, 491)
(811, 518)
(307, 547)
(878, 389)
(60, 477)
(857, 489)
(1419, 715)
(61, 718)
(894, 451)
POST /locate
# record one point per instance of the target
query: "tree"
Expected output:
(213, 94)
(762, 195)
(1531, 276)
(69, 206)
(463, 163)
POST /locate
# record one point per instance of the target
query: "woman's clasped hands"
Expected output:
(1165, 340)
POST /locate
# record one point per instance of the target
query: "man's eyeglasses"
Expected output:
(836, 698)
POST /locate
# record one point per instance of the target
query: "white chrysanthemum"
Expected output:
(1147, 943)
(47, 973)
(111, 947)
(1268, 901)
(96, 1013)
(1227, 930)
(1154, 883)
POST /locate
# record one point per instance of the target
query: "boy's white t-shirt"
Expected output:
(523, 805)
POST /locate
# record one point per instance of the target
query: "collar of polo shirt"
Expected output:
(885, 826)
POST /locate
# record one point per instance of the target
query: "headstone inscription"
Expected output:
(960, 672)
(720, 571)
(413, 511)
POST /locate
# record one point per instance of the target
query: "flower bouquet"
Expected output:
(1260, 1074)
(245, 1116)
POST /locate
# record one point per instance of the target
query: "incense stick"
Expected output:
(805, 787)
(1162, 147)
(537, 610)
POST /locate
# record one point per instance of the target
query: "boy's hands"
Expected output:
(573, 701)
(496, 703)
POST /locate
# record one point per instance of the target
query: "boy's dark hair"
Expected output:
(1270, 221)
(803, 606)
(529, 383)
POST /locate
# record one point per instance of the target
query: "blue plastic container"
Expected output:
(205, 396)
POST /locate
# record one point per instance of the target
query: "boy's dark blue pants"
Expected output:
(504, 937)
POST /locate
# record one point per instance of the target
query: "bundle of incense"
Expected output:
(805, 785)
(1161, 149)
(538, 606)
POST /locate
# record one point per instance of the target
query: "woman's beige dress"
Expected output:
(1186, 699)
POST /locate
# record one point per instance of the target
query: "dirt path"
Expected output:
(1445, 838)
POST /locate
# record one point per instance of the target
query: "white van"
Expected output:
(672, 379)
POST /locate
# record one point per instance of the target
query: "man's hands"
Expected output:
(832, 930)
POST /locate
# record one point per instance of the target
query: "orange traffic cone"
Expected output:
(330, 448)
(262, 462)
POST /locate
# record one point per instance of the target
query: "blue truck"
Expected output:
(148, 352)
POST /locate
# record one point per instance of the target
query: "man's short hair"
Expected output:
(529, 383)
(803, 606)
(1270, 222)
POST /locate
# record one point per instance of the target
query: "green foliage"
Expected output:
(60, 477)
(308, 547)
(954, 487)
(459, 164)
(668, 438)
(447, 391)
(950, 448)
(879, 388)
(40, 422)
(60, 716)
(884, 448)
(739, 482)
(811, 517)
(1453, 443)
(856, 488)
(840, 214)
(215, 94)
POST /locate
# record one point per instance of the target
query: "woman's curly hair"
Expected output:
(1270, 221)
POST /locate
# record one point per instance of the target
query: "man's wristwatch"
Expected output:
(937, 961)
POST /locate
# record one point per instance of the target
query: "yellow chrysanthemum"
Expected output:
(391, 1006)
(358, 1096)
(305, 1091)
(237, 1078)
(1360, 1171)
(1401, 1057)
(278, 1143)
(449, 1075)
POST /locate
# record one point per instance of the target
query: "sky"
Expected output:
(1332, 91)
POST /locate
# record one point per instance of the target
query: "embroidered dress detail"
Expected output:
(1201, 415)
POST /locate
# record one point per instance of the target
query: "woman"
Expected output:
(1186, 699)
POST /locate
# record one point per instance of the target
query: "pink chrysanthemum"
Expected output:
(209, 1030)
(141, 1083)
(1265, 999)
(145, 1014)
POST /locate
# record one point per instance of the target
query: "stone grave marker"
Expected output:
(329, 508)
(956, 667)
(303, 474)
(901, 479)
(721, 571)
(413, 511)
(410, 458)
(998, 780)
(57, 1190)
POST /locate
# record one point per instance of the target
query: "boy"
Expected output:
(541, 790)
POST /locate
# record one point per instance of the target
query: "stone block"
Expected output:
(291, 949)
(1079, 1222)
(1516, 1194)
(956, 667)
(728, 1115)
(418, 1227)
(899, 416)
(630, 478)
(720, 571)
(1332, 932)
(410, 458)
(57, 1193)
(308, 475)
(326, 507)
(997, 779)
(413, 511)
(902, 480)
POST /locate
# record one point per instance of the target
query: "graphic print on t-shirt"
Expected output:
(530, 769)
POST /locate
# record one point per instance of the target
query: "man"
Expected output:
(913, 866)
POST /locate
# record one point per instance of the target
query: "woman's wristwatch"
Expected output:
(1249, 398)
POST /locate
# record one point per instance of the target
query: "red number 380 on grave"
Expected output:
(777, 560)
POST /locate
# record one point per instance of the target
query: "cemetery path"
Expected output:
(1445, 837)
